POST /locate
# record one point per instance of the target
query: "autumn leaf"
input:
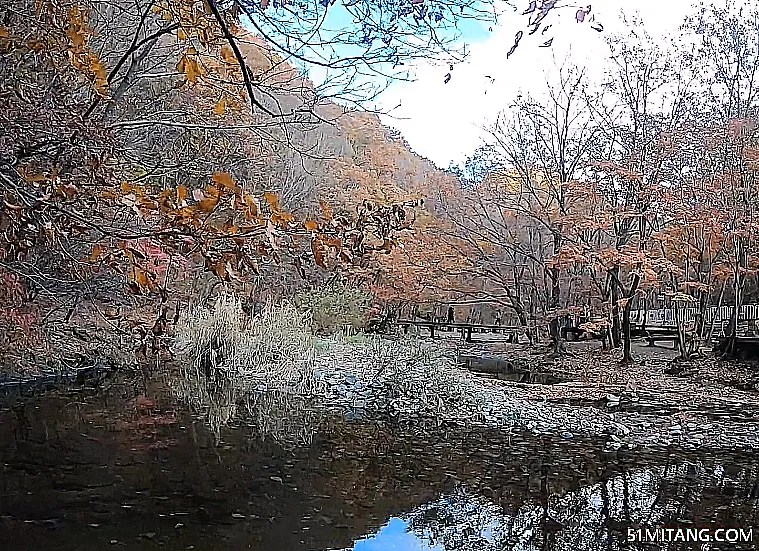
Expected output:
(225, 180)
(228, 55)
(208, 205)
(220, 270)
(311, 225)
(273, 201)
(317, 247)
(326, 210)
(221, 107)
(252, 206)
(97, 253)
(182, 195)
(190, 67)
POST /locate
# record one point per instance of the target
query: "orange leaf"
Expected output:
(224, 179)
(207, 205)
(228, 55)
(318, 249)
(311, 225)
(326, 210)
(252, 205)
(273, 200)
(182, 194)
(220, 270)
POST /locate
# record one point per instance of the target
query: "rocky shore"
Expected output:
(632, 406)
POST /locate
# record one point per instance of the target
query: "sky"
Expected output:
(443, 122)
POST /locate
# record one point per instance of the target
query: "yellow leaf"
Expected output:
(311, 225)
(221, 107)
(97, 253)
(181, 34)
(190, 67)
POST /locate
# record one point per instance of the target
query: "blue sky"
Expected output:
(444, 122)
(394, 537)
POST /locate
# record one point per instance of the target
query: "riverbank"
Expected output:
(635, 406)
(274, 369)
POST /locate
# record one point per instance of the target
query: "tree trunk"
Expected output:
(554, 329)
(680, 331)
(627, 340)
(616, 324)
(738, 281)
(714, 317)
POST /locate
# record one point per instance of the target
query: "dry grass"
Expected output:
(273, 367)
(274, 349)
(264, 366)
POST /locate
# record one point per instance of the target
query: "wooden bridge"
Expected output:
(512, 331)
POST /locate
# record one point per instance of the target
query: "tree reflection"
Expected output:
(594, 517)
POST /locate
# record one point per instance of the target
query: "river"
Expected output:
(124, 465)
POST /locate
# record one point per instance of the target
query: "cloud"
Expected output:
(443, 122)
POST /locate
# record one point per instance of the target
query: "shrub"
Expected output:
(336, 309)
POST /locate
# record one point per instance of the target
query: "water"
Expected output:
(505, 370)
(125, 466)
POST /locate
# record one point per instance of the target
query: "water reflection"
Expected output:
(594, 517)
(394, 536)
(128, 463)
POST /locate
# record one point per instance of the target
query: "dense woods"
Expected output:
(154, 152)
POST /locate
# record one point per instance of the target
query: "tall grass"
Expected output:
(274, 368)
(275, 348)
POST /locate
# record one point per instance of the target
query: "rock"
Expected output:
(676, 429)
(567, 435)
(612, 400)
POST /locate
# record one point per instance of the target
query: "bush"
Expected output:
(336, 309)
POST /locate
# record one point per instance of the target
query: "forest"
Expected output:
(146, 146)
(210, 231)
